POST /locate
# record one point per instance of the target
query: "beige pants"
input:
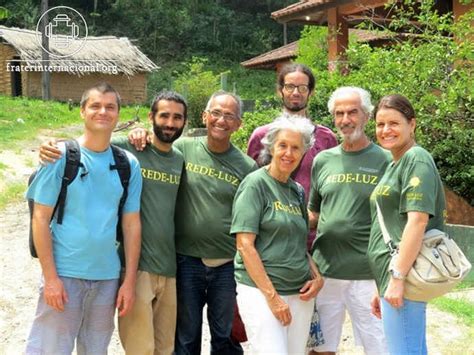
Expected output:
(150, 326)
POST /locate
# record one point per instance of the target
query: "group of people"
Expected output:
(288, 232)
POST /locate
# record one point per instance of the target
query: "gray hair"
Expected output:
(364, 96)
(294, 123)
(236, 98)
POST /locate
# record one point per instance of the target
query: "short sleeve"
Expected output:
(135, 186)
(120, 142)
(179, 145)
(418, 188)
(247, 209)
(254, 145)
(314, 202)
(45, 187)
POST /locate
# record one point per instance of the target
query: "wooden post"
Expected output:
(460, 9)
(45, 75)
(285, 35)
(338, 40)
(224, 81)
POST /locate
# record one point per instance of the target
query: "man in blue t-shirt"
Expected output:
(79, 260)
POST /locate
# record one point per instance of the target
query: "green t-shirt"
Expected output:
(272, 211)
(204, 204)
(341, 184)
(412, 184)
(161, 173)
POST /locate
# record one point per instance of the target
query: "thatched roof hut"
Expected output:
(106, 58)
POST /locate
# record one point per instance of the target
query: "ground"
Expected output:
(20, 277)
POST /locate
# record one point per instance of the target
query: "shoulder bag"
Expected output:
(438, 268)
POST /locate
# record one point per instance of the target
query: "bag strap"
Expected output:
(386, 236)
(122, 165)
(73, 162)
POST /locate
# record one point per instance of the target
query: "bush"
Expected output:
(196, 84)
(252, 120)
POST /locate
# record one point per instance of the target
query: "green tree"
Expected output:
(433, 69)
(197, 84)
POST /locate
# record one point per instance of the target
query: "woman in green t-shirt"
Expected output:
(276, 281)
(410, 196)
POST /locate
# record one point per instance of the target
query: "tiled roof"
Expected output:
(290, 51)
(300, 6)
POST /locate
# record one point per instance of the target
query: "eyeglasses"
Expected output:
(302, 89)
(218, 114)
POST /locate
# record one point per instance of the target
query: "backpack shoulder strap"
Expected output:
(73, 162)
(122, 165)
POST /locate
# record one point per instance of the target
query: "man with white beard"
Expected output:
(342, 180)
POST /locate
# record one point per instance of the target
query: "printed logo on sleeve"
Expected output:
(415, 181)
(413, 195)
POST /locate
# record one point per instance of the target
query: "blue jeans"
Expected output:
(405, 327)
(196, 285)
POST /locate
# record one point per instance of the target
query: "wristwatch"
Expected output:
(396, 274)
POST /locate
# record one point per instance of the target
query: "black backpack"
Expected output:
(73, 163)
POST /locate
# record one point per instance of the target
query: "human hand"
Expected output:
(54, 294)
(311, 288)
(49, 152)
(280, 309)
(375, 306)
(139, 137)
(125, 298)
(394, 293)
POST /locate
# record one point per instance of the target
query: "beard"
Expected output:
(353, 137)
(294, 107)
(166, 137)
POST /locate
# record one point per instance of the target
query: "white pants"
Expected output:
(265, 333)
(334, 299)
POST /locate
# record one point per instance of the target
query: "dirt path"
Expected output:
(20, 275)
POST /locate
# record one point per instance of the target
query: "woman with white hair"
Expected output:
(276, 281)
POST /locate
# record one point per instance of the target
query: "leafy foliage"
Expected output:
(197, 85)
(172, 31)
(252, 120)
(432, 68)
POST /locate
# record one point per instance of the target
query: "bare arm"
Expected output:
(313, 218)
(409, 249)
(54, 293)
(131, 227)
(254, 266)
